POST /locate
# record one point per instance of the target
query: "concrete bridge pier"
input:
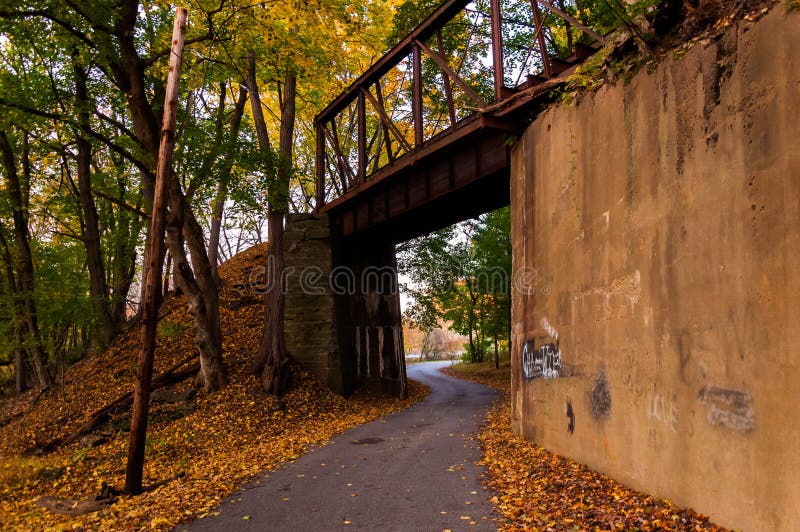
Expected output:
(343, 319)
(368, 315)
(310, 317)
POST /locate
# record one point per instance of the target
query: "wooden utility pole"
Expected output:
(152, 291)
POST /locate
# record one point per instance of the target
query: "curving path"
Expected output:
(414, 470)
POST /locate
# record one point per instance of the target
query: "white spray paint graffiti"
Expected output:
(545, 361)
(663, 409)
(549, 328)
(609, 298)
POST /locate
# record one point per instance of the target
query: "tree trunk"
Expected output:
(496, 328)
(129, 76)
(272, 357)
(567, 29)
(202, 296)
(426, 345)
(128, 225)
(472, 354)
(218, 204)
(20, 373)
(123, 269)
(474, 348)
(152, 301)
(148, 195)
(105, 327)
(496, 353)
(201, 300)
(217, 208)
(24, 262)
(272, 360)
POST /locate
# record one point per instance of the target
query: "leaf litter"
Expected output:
(216, 442)
(537, 490)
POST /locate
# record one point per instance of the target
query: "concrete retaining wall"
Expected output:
(656, 232)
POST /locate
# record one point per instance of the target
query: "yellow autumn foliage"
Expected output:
(217, 441)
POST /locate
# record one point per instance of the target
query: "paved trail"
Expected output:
(413, 470)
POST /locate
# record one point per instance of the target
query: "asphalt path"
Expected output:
(414, 470)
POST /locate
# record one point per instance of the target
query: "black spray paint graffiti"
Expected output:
(543, 362)
(571, 416)
(600, 396)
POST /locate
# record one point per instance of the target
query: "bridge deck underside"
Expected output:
(463, 176)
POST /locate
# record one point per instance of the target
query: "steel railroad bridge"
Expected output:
(420, 141)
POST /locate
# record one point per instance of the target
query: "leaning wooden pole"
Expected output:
(152, 291)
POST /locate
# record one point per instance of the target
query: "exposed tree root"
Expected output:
(171, 376)
(107, 496)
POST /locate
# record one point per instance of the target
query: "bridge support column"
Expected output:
(343, 323)
(309, 309)
(368, 316)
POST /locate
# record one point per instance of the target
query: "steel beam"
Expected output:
(416, 97)
(497, 49)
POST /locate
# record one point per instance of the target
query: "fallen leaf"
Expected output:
(535, 489)
(238, 430)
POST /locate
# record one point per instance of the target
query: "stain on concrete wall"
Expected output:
(600, 396)
(571, 417)
(675, 272)
(729, 408)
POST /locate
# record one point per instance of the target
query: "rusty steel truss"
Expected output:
(432, 117)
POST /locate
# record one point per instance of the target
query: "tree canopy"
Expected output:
(461, 275)
(81, 93)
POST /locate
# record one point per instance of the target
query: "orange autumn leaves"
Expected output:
(217, 440)
(538, 490)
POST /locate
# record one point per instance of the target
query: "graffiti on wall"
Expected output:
(543, 361)
(600, 396)
(663, 408)
(571, 417)
(729, 408)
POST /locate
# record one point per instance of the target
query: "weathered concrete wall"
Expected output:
(343, 320)
(368, 315)
(309, 311)
(659, 225)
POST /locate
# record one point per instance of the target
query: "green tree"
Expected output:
(492, 245)
(461, 275)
